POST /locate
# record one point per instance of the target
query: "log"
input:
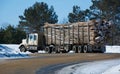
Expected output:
(78, 33)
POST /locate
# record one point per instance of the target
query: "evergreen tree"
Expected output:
(11, 35)
(19, 35)
(76, 15)
(34, 17)
(107, 9)
(8, 35)
(1, 35)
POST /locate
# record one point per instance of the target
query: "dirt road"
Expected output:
(31, 65)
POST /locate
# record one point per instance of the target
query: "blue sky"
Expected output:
(11, 9)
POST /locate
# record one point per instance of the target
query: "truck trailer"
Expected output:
(80, 37)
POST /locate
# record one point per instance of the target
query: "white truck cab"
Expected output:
(31, 43)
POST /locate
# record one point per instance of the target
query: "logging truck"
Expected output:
(81, 37)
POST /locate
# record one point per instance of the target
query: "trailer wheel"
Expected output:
(22, 49)
(74, 49)
(53, 50)
(48, 50)
(85, 50)
(80, 49)
(89, 47)
(102, 49)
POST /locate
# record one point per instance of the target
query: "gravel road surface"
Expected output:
(41, 63)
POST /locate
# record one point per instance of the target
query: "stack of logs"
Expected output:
(91, 32)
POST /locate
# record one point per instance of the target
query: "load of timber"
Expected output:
(91, 32)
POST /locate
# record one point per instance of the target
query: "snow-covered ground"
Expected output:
(11, 51)
(101, 67)
(112, 49)
(97, 67)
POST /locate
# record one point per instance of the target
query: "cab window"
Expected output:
(35, 37)
(30, 37)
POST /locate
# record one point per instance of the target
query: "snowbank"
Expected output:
(42, 51)
(112, 49)
(113, 70)
(101, 67)
(15, 48)
(11, 51)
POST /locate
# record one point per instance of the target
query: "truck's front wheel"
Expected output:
(22, 49)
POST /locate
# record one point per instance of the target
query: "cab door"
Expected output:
(31, 39)
(35, 42)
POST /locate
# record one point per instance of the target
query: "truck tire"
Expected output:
(80, 49)
(54, 50)
(102, 49)
(89, 47)
(75, 49)
(22, 49)
(85, 49)
(48, 50)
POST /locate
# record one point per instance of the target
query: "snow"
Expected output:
(42, 51)
(97, 67)
(113, 70)
(71, 51)
(10, 51)
(112, 49)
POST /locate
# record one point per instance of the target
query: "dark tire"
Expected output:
(102, 49)
(80, 49)
(85, 49)
(22, 49)
(54, 50)
(89, 47)
(75, 49)
(48, 50)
